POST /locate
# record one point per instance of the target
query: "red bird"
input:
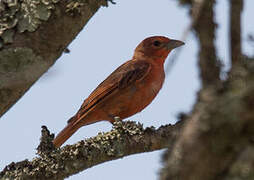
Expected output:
(127, 90)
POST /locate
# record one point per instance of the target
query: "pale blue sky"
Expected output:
(106, 42)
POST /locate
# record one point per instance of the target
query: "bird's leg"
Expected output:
(117, 118)
(114, 119)
(117, 122)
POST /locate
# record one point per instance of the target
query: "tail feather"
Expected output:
(73, 125)
(66, 133)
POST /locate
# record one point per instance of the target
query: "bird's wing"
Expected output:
(122, 77)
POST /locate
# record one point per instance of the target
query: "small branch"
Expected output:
(236, 7)
(205, 30)
(196, 9)
(203, 23)
(124, 139)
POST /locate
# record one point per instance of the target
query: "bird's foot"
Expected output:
(117, 119)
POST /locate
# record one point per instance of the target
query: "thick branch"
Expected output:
(33, 34)
(218, 132)
(124, 139)
(217, 140)
(236, 7)
(243, 166)
(205, 26)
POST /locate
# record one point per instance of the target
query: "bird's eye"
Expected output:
(157, 43)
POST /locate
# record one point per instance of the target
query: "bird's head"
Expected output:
(156, 47)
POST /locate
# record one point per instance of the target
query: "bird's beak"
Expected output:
(172, 44)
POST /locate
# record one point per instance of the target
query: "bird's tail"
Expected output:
(66, 133)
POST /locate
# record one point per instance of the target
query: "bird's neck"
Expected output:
(159, 60)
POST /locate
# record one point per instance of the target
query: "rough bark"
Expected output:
(217, 132)
(217, 139)
(236, 7)
(205, 31)
(124, 139)
(33, 34)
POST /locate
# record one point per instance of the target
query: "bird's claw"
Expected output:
(117, 118)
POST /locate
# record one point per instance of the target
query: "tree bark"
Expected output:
(236, 7)
(217, 139)
(218, 132)
(214, 141)
(124, 139)
(205, 31)
(33, 35)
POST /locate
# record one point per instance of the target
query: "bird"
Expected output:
(127, 90)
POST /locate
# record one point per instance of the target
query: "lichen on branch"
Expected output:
(124, 139)
(27, 15)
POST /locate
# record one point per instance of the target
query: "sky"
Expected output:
(107, 41)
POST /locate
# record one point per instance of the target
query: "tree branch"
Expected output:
(217, 139)
(196, 9)
(124, 139)
(218, 131)
(205, 31)
(33, 34)
(242, 167)
(236, 7)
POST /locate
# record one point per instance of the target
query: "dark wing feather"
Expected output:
(134, 73)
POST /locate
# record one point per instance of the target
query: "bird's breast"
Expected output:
(145, 90)
(153, 83)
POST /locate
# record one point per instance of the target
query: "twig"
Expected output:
(196, 9)
(205, 31)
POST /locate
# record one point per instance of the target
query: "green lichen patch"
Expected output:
(105, 141)
(128, 127)
(27, 15)
(74, 6)
(8, 10)
(32, 12)
(110, 143)
(63, 162)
